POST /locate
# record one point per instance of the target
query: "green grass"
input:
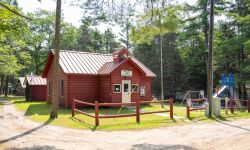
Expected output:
(39, 112)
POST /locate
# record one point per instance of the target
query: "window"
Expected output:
(62, 87)
(49, 88)
(117, 88)
(134, 88)
(143, 91)
(125, 87)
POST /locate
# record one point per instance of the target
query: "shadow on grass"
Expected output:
(88, 125)
(173, 120)
(43, 109)
(27, 132)
(146, 146)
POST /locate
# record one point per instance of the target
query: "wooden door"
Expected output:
(126, 91)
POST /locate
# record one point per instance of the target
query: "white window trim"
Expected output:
(114, 88)
(137, 88)
(144, 90)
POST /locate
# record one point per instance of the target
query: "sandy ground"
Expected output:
(17, 132)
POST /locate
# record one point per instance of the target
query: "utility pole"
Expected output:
(162, 91)
(210, 59)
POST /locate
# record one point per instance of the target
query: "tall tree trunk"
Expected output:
(6, 86)
(210, 59)
(56, 87)
(1, 86)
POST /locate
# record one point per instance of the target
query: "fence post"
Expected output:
(187, 106)
(171, 108)
(73, 107)
(248, 105)
(231, 105)
(226, 104)
(96, 113)
(138, 111)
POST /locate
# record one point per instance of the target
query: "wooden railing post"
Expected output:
(96, 113)
(138, 111)
(231, 105)
(73, 107)
(171, 108)
(187, 106)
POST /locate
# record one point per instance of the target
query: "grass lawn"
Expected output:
(39, 111)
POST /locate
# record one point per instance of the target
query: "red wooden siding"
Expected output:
(105, 91)
(85, 88)
(63, 99)
(135, 79)
(147, 83)
(38, 92)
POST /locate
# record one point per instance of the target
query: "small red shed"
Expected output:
(36, 88)
(117, 77)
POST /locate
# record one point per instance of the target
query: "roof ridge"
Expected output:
(74, 51)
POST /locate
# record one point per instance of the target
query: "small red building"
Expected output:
(36, 88)
(117, 77)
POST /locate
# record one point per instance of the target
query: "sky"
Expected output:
(71, 14)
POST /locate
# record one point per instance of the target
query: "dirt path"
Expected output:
(17, 132)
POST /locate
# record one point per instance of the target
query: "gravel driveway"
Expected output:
(17, 132)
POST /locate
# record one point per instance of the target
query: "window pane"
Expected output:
(62, 87)
(143, 91)
(117, 88)
(135, 88)
(125, 87)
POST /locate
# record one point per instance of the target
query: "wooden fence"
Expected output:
(189, 108)
(232, 107)
(137, 113)
(245, 104)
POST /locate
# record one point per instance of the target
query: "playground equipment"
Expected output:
(190, 94)
(195, 100)
(227, 88)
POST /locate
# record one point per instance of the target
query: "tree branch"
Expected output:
(13, 11)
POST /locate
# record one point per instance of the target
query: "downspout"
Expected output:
(68, 93)
(110, 89)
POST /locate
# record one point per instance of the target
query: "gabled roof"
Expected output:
(21, 80)
(35, 80)
(111, 66)
(76, 62)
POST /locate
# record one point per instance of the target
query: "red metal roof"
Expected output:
(76, 62)
(35, 80)
(110, 66)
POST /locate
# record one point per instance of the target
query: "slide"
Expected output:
(233, 94)
(222, 89)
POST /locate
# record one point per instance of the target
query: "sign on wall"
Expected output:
(126, 73)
